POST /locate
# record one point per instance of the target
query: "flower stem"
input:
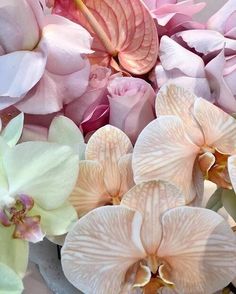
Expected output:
(97, 28)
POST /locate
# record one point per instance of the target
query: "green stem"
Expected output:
(97, 28)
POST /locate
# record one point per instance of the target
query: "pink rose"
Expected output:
(91, 110)
(41, 58)
(131, 105)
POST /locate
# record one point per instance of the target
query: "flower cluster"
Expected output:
(115, 117)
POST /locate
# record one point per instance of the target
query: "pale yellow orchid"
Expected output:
(150, 244)
(190, 140)
(106, 173)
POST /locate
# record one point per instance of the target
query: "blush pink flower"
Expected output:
(131, 103)
(106, 173)
(173, 16)
(150, 244)
(181, 67)
(42, 66)
(190, 139)
(91, 110)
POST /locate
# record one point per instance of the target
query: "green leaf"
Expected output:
(12, 132)
(13, 252)
(229, 202)
(214, 203)
(58, 221)
(10, 282)
(65, 132)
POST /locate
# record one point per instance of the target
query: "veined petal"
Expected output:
(219, 128)
(164, 152)
(126, 173)
(200, 249)
(101, 248)
(174, 100)
(152, 199)
(10, 282)
(108, 145)
(49, 176)
(13, 252)
(90, 191)
(65, 132)
(232, 170)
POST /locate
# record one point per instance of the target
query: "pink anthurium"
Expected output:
(122, 29)
(106, 173)
(150, 244)
(190, 139)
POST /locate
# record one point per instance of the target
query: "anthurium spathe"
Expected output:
(46, 50)
(106, 173)
(150, 244)
(190, 139)
(122, 29)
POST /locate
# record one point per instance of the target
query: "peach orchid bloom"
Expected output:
(150, 244)
(106, 173)
(190, 140)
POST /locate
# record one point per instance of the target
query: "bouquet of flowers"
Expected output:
(118, 141)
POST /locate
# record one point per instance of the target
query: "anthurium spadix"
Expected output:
(150, 244)
(190, 140)
(122, 29)
(106, 173)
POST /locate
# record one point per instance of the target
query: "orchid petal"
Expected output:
(142, 277)
(10, 282)
(206, 161)
(219, 128)
(232, 170)
(49, 176)
(107, 146)
(12, 132)
(174, 100)
(163, 137)
(137, 46)
(57, 221)
(65, 132)
(199, 246)
(152, 199)
(126, 173)
(90, 191)
(13, 252)
(101, 248)
(14, 66)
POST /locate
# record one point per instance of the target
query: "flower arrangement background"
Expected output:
(116, 114)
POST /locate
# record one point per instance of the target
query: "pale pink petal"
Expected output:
(107, 146)
(14, 66)
(34, 133)
(101, 248)
(232, 170)
(126, 173)
(90, 191)
(152, 199)
(200, 250)
(218, 21)
(219, 128)
(174, 56)
(53, 91)
(206, 41)
(65, 42)
(206, 161)
(173, 100)
(164, 152)
(16, 33)
(222, 92)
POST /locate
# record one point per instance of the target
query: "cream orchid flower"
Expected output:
(150, 244)
(191, 139)
(106, 173)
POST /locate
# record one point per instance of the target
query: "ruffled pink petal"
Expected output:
(101, 248)
(218, 21)
(14, 66)
(53, 91)
(222, 92)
